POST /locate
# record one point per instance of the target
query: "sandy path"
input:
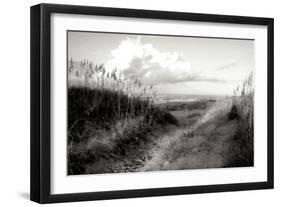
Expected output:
(204, 146)
(197, 152)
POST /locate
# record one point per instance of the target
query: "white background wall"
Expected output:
(14, 101)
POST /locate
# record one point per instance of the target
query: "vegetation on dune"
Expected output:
(107, 112)
(241, 151)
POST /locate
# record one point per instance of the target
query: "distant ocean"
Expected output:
(169, 98)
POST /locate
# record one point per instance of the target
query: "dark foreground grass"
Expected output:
(241, 151)
(103, 122)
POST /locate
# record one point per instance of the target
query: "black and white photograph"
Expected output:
(141, 102)
(145, 102)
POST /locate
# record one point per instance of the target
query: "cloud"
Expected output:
(149, 64)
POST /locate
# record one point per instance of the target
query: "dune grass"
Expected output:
(106, 113)
(241, 152)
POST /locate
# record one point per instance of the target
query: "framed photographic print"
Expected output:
(133, 103)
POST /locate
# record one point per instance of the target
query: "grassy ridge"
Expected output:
(103, 122)
(107, 111)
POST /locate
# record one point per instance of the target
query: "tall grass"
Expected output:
(98, 78)
(106, 112)
(242, 146)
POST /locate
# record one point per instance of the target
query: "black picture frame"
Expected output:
(41, 96)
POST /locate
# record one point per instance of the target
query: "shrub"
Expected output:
(233, 114)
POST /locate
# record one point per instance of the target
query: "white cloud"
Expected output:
(148, 64)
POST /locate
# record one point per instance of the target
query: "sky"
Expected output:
(174, 65)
